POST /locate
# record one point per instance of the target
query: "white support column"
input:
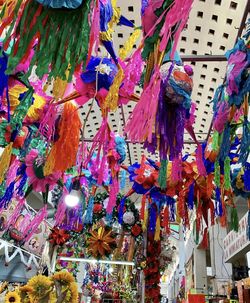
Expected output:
(222, 271)
(248, 262)
(182, 255)
(200, 270)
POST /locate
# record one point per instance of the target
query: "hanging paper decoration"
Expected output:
(70, 4)
(160, 120)
(110, 15)
(68, 142)
(96, 80)
(50, 55)
(35, 173)
(101, 242)
(151, 272)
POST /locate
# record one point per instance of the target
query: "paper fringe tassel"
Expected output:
(145, 220)
(199, 160)
(217, 173)
(34, 224)
(218, 202)
(111, 101)
(121, 208)
(210, 185)
(143, 204)
(112, 195)
(227, 179)
(5, 161)
(89, 214)
(245, 142)
(59, 42)
(162, 179)
(157, 229)
(215, 141)
(246, 177)
(123, 179)
(140, 126)
(166, 220)
(176, 170)
(6, 198)
(63, 153)
(128, 45)
(191, 196)
(94, 40)
(225, 144)
(60, 213)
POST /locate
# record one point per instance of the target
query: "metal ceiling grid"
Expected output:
(211, 30)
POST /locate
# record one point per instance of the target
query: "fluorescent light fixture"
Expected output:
(127, 263)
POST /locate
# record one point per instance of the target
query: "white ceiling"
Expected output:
(212, 29)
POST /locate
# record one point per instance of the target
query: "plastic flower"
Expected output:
(136, 230)
(41, 286)
(26, 288)
(35, 173)
(24, 293)
(97, 208)
(63, 277)
(58, 236)
(13, 297)
(74, 292)
(129, 218)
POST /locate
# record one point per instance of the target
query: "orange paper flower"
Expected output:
(101, 242)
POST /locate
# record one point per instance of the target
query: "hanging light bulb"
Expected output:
(73, 198)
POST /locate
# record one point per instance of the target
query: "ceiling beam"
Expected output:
(203, 58)
(130, 142)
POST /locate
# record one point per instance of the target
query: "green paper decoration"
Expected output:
(234, 219)
(217, 173)
(162, 179)
(227, 179)
(63, 39)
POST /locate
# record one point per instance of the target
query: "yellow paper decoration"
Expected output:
(126, 49)
(107, 36)
(145, 220)
(239, 181)
(111, 101)
(50, 163)
(14, 93)
(59, 86)
(33, 112)
(5, 161)
(157, 229)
